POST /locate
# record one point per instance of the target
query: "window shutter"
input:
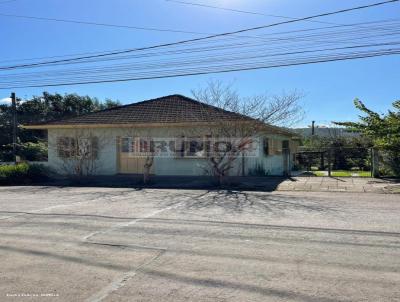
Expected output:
(73, 147)
(266, 146)
(66, 147)
(278, 147)
(273, 147)
(95, 147)
(61, 147)
(180, 147)
(207, 145)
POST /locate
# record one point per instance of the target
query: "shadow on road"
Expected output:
(250, 183)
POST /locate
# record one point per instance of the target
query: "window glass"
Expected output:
(285, 144)
(195, 147)
(125, 144)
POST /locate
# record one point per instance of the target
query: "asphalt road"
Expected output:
(107, 244)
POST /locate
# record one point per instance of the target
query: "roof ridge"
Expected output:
(112, 108)
(212, 106)
(180, 103)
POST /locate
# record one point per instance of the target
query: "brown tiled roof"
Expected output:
(167, 109)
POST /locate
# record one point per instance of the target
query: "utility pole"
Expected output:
(313, 128)
(14, 125)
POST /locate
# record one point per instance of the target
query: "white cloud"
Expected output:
(5, 101)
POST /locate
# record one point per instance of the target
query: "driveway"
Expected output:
(109, 244)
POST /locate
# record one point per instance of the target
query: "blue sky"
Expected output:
(329, 87)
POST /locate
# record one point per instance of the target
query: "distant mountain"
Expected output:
(325, 132)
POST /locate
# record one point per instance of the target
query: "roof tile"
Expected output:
(167, 109)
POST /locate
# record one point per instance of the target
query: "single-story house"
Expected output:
(177, 132)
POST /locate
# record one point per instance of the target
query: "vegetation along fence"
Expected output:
(346, 162)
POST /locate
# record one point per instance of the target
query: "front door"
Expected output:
(132, 155)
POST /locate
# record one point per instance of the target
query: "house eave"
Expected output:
(269, 128)
(122, 125)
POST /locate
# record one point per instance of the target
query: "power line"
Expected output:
(204, 38)
(171, 63)
(361, 25)
(281, 51)
(230, 68)
(235, 48)
(234, 52)
(228, 9)
(244, 11)
(7, 1)
(205, 70)
(103, 24)
(346, 37)
(239, 11)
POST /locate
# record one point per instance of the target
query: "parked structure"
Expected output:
(171, 135)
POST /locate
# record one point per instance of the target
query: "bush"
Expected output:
(22, 174)
(27, 151)
(13, 174)
(390, 160)
(6, 153)
(33, 151)
(38, 173)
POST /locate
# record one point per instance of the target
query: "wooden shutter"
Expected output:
(271, 147)
(61, 147)
(266, 146)
(66, 147)
(94, 147)
(73, 147)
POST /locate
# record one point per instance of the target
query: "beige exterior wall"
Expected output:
(107, 161)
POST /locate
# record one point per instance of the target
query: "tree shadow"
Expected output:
(250, 183)
(239, 201)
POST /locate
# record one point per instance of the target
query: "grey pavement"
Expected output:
(340, 184)
(249, 183)
(124, 244)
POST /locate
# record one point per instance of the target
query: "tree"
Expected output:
(40, 109)
(383, 129)
(236, 137)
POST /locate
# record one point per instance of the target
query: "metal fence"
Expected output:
(337, 161)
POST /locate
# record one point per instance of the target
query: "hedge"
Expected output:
(22, 174)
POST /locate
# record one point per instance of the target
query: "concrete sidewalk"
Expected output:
(248, 183)
(339, 184)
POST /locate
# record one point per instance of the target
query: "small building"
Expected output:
(175, 135)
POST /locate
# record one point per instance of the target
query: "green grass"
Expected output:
(363, 173)
(344, 173)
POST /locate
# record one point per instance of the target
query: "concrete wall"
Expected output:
(106, 164)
